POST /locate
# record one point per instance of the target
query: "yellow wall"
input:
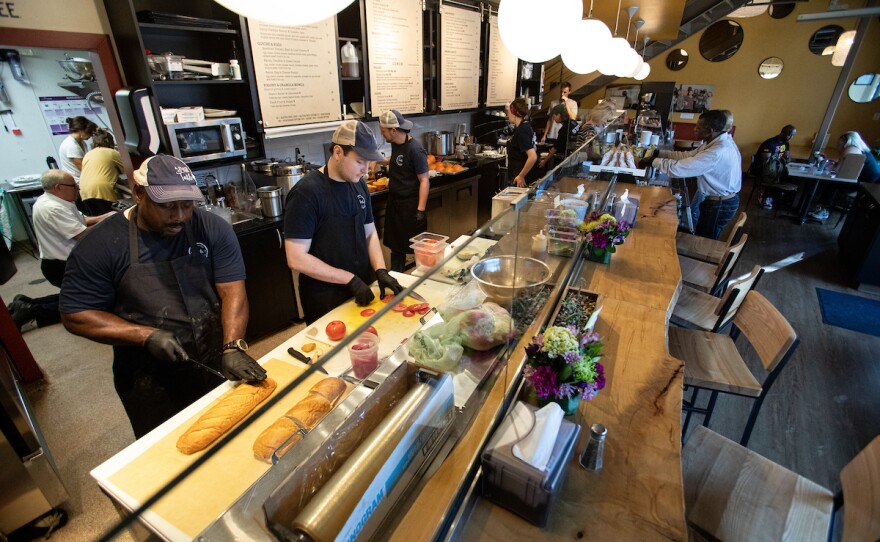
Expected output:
(86, 16)
(799, 96)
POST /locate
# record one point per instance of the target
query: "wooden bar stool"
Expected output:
(734, 494)
(696, 309)
(712, 362)
(711, 278)
(709, 250)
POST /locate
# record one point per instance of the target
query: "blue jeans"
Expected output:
(695, 208)
(714, 216)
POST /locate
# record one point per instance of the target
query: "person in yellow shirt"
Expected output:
(101, 167)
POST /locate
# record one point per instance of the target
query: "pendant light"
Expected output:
(516, 27)
(841, 50)
(285, 12)
(628, 61)
(639, 62)
(616, 51)
(646, 68)
(585, 44)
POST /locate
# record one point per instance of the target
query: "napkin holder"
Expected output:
(517, 486)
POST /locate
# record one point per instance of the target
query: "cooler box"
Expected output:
(524, 490)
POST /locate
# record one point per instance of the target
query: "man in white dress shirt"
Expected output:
(58, 225)
(552, 130)
(717, 165)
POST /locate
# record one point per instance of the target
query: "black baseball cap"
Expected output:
(168, 179)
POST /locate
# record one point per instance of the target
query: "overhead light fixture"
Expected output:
(585, 44)
(516, 27)
(749, 11)
(640, 62)
(285, 12)
(617, 59)
(838, 14)
(841, 50)
(646, 68)
(828, 50)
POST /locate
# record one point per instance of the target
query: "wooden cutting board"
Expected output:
(205, 494)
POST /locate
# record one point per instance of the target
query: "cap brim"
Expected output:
(170, 193)
(372, 155)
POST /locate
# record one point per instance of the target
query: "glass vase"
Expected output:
(599, 255)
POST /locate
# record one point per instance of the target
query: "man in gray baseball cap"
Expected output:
(164, 284)
(330, 236)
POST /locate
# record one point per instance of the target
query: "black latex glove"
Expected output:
(387, 281)
(162, 344)
(421, 216)
(238, 365)
(363, 294)
(645, 163)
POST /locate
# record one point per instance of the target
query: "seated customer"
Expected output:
(717, 166)
(58, 225)
(101, 167)
(849, 143)
(770, 161)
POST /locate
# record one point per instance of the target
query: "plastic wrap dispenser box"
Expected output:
(524, 490)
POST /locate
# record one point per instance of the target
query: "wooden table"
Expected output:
(815, 178)
(639, 493)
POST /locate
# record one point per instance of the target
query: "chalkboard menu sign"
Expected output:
(297, 72)
(501, 77)
(459, 58)
(394, 53)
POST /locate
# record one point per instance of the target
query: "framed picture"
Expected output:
(692, 98)
(624, 96)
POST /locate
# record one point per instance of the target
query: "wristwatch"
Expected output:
(237, 344)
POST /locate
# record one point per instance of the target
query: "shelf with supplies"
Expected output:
(180, 29)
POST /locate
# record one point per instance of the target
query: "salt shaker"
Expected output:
(597, 198)
(591, 459)
(609, 205)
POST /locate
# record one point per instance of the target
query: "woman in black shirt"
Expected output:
(521, 154)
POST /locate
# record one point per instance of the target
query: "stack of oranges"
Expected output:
(437, 165)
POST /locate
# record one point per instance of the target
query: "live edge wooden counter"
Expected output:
(638, 495)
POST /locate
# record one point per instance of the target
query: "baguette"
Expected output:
(232, 407)
(286, 431)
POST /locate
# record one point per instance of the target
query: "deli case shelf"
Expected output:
(398, 456)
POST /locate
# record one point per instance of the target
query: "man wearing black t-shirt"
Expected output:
(408, 187)
(330, 237)
(164, 284)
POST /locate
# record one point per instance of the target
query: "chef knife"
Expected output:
(209, 369)
(303, 358)
(417, 297)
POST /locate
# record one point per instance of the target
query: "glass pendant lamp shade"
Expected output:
(638, 65)
(285, 12)
(841, 50)
(644, 72)
(615, 57)
(516, 26)
(584, 45)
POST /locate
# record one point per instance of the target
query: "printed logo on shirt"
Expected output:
(399, 160)
(362, 201)
(202, 248)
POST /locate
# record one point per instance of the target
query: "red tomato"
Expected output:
(408, 313)
(372, 330)
(418, 306)
(335, 330)
(368, 312)
(387, 298)
(400, 307)
(424, 310)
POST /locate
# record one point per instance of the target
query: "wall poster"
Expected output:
(692, 98)
(297, 72)
(459, 58)
(394, 40)
(501, 76)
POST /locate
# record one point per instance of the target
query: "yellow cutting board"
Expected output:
(205, 494)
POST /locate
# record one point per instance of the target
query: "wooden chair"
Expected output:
(734, 494)
(696, 309)
(709, 250)
(711, 278)
(712, 362)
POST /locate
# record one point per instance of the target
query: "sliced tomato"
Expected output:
(387, 298)
(408, 313)
(400, 307)
(418, 306)
(372, 330)
(424, 310)
(368, 312)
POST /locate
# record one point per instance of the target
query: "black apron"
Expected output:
(339, 241)
(177, 296)
(516, 157)
(400, 211)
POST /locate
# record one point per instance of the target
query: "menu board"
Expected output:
(459, 58)
(394, 35)
(501, 77)
(297, 72)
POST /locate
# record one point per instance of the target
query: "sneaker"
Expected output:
(768, 203)
(22, 315)
(820, 213)
(18, 302)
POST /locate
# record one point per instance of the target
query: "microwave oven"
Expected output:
(207, 140)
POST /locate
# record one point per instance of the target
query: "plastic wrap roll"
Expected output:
(327, 512)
